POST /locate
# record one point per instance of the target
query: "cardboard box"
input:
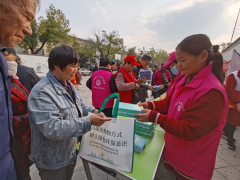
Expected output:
(139, 144)
(144, 132)
(147, 126)
(128, 110)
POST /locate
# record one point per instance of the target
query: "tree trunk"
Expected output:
(43, 43)
(37, 51)
(32, 50)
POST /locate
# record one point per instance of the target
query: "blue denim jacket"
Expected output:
(55, 124)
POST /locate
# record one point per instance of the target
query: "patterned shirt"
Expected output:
(21, 127)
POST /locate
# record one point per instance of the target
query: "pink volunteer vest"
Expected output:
(100, 88)
(173, 84)
(194, 158)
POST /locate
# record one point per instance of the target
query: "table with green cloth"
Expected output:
(144, 165)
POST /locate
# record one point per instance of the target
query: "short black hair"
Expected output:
(105, 61)
(11, 51)
(62, 56)
(175, 61)
(155, 66)
(113, 62)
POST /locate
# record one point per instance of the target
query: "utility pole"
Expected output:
(236, 30)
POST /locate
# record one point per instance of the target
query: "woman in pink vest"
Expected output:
(196, 111)
(102, 83)
(172, 63)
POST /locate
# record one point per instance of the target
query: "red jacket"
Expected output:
(233, 99)
(157, 78)
(126, 96)
(21, 127)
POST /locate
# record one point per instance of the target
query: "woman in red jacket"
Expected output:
(196, 111)
(21, 127)
(233, 119)
(162, 77)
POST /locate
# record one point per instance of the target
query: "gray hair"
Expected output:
(37, 3)
(9, 2)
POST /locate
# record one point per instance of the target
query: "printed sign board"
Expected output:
(110, 145)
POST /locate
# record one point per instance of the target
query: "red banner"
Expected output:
(226, 66)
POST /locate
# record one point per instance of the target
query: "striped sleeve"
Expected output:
(198, 120)
(161, 105)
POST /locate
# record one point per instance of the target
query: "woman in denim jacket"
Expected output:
(58, 116)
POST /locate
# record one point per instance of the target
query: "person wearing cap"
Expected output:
(144, 63)
(172, 62)
(176, 73)
(126, 80)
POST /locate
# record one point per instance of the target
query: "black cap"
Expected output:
(147, 58)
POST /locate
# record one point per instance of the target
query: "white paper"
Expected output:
(110, 145)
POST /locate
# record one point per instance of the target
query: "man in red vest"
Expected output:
(125, 79)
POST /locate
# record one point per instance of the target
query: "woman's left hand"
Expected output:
(143, 117)
(95, 111)
(151, 89)
(161, 87)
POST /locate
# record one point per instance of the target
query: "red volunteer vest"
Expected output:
(126, 96)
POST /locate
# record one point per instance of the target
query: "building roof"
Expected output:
(237, 41)
(79, 39)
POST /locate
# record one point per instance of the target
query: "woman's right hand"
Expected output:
(137, 86)
(99, 119)
(145, 105)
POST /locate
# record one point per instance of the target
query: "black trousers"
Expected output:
(107, 112)
(229, 130)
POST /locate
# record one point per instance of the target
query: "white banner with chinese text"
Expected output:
(110, 145)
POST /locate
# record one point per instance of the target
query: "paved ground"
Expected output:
(227, 164)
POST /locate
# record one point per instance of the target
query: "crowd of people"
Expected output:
(42, 121)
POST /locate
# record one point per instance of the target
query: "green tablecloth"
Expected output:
(146, 163)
